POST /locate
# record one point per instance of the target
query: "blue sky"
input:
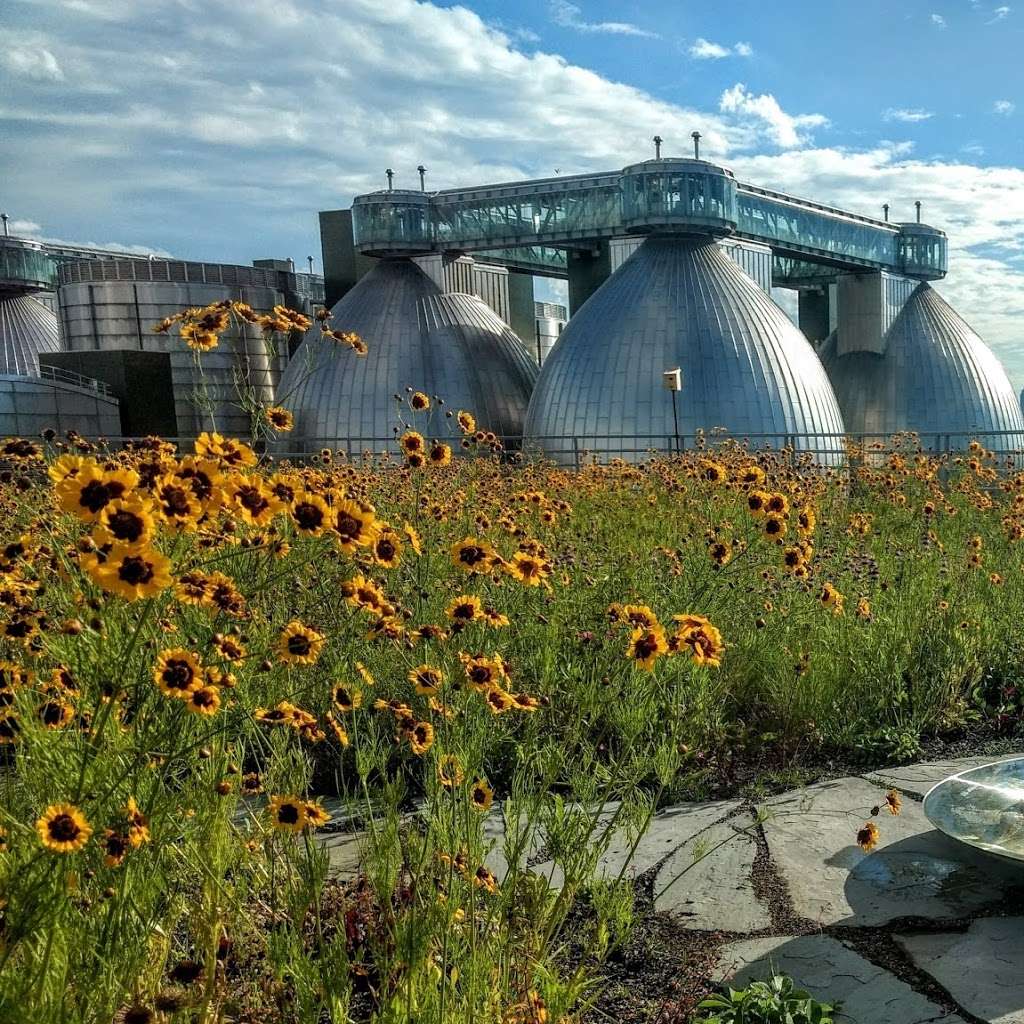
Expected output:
(214, 130)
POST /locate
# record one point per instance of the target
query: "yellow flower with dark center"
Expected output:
(426, 679)
(346, 699)
(354, 526)
(482, 672)
(55, 714)
(867, 836)
(484, 878)
(713, 472)
(10, 727)
(701, 639)
(63, 828)
(449, 771)
(316, 814)
(806, 521)
(414, 460)
(299, 645)
(440, 454)
(793, 558)
(466, 422)
(421, 737)
(387, 548)
(115, 848)
(413, 538)
(419, 401)
(85, 493)
(465, 608)
(279, 418)
(525, 702)
(287, 813)
(863, 608)
(774, 526)
(751, 475)
(340, 733)
(310, 514)
(831, 598)
(252, 499)
(229, 646)
(176, 502)
(192, 588)
(224, 596)
(177, 673)
(127, 521)
(204, 700)
(481, 796)
(893, 802)
(498, 701)
(361, 592)
(646, 645)
(757, 501)
(720, 553)
(472, 555)
(412, 443)
(138, 824)
(777, 504)
(528, 569)
(132, 573)
(225, 450)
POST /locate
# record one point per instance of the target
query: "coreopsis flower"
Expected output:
(530, 570)
(427, 679)
(481, 795)
(176, 503)
(757, 502)
(88, 491)
(439, 454)
(354, 526)
(128, 521)
(806, 521)
(204, 700)
(279, 418)
(130, 572)
(299, 645)
(484, 878)
(832, 598)
(316, 814)
(287, 813)
(449, 771)
(482, 672)
(413, 537)
(310, 514)
(63, 828)
(867, 836)
(465, 608)
(345, 698)
(177, 673)
(893, 802)
(774, 526)
(697, 636)
(252, 499)
(387, 548)
(138, 824)
(419, 401)
(472, 555)
(412, 443)
(646, 645)
(421, 737)
(466, 422)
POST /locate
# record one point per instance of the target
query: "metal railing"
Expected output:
(581, 450)
(61, 376)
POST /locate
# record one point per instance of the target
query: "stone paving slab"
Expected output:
(831, 971)
(714, 892)
(919, 778)
(344, 853)
(982, 968)
(914, 871)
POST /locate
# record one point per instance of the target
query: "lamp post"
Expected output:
(673, 382)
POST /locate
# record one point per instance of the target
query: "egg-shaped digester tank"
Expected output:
(450, 345)
(935, 377)
(680, 301)
(27, 328)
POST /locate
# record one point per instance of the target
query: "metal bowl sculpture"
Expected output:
(982, 807)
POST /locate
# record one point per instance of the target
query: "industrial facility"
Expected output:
(670, 266)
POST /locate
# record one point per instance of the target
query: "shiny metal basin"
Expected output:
(982, 807)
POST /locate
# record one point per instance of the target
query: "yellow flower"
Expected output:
(63, 828)
(466, 422)
(279, 418)
(204, 700)
(127, 521)
(177, 673)
(414, 538)
(465, 608)
(419, 401)
(346, 699)
(84, 494)
(646, 645)
(703, 640)
(426, 679)
(131, 573)
(449, 771)
(440, 454)
(354, 526)
(387, 548)
(252, 499)
(472, 555)
(287, 813)
(867, 836)
(528, 569)
(310, 514)
(176, 502)
(412, 443)
(421, 737)
(481, 795)
(299, 645)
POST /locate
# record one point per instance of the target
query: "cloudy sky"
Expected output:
(212, 129)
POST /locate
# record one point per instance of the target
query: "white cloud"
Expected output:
(973, 149)
(704, 49)
(909, 115)
(938, 21)
(23, 228)
(31, 62)
(569, 15)
(1003, 107)
(998, 13)
(784, 129)
(193, 159)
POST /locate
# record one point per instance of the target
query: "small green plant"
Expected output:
(777, 1001)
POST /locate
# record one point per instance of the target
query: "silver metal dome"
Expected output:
(453, 346)
(682, 302)
(27, 327)
(936, 377)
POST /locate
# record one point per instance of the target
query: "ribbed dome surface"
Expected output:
(27, 327)
(936, 377)
(682, 302)
(453, 346)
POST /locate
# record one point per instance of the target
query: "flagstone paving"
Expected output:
(908, 933)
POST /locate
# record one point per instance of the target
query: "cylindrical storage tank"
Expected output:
(27, 328)
(453, 346)
(30, 405)
(681, 302)
(114, 304)
(935, 377)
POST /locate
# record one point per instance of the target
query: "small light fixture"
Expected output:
(423, 180)
(696, 144)
(673, 379)
(657, 147)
